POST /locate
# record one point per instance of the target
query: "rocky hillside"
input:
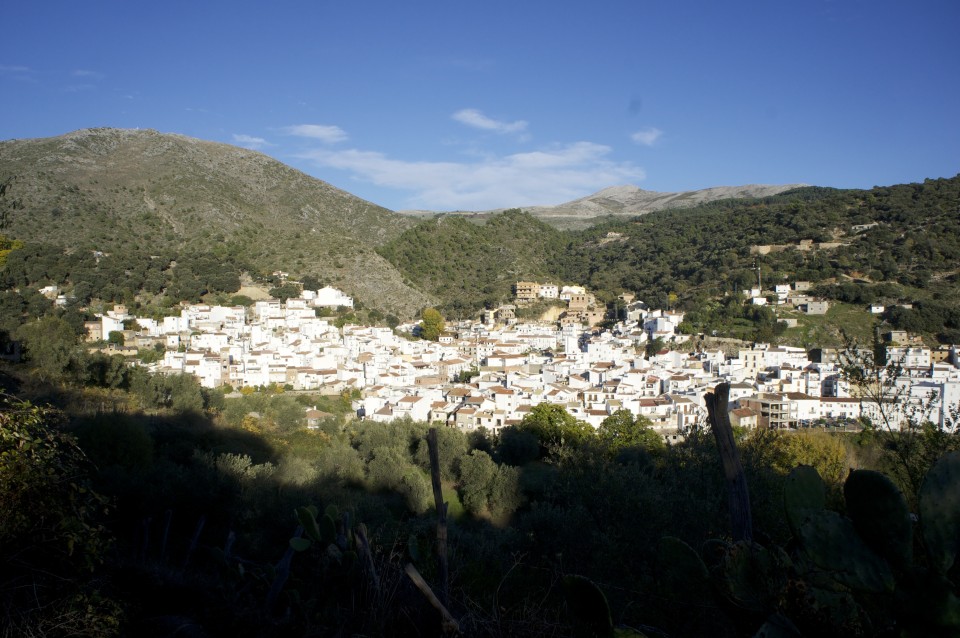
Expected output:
(630, 201)
(101, 189)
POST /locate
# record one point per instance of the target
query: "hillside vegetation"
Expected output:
(471, 264)
(897, 244)
(132, 193)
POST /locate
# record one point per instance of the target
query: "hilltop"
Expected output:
(113, 190)
(629, 201)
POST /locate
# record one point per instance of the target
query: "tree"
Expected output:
(286, 291)
(47, 510)
(115, 337)
(452, 446)
(518, 447)
(53, 348)
(311, 282)
(622, 430)
(554, 427)
(505, 494)
(285, 413)
(431, 324)
(106, 371)
(486, 487)
(465, 376)
(477, 471)
(178, 392)
(654, 346)
(7, 246)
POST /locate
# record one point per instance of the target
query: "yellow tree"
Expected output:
(431, 324)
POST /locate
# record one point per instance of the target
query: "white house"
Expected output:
(548, 291)
(331, 297)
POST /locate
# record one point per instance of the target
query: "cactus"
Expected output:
(846, 568)
(322, 530)
(778, 626)
(880, 516)
(872, 551)
(682, 568)
(307, 516)
(816, 608)
(332, 511)
(803, 494)
(831, 542)
(588, 607)
(752, 576)
(940, 512)
(590, 611)
(927, 605)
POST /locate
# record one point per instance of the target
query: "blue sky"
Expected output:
(460, 105)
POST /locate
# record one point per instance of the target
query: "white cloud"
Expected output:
(549, 176)
(19, 73)
(249, 141)
(84, 73)
(324, 133)
(647, 137)
(476, 119)
(86, 80)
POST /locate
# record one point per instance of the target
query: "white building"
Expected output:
(548, 291)
(330, 297)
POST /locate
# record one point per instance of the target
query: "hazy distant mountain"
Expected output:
(629, 201)
(101, 188)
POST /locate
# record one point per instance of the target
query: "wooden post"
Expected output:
(442, 568)
(741, 522)
(449, 623)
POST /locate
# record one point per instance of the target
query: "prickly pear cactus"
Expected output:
(683, 572)
(940, 512)
(803, 494)
(590, 611)
(588, 607)
(880, 516)
(752, 576)
(822, 611)
(778, 626)
(831, 542)
(322, 530)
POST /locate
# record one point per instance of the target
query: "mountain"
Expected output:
(110, 189)
(895, 245)
(629, 201)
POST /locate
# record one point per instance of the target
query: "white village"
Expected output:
(512, 366)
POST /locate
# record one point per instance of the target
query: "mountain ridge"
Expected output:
(626, 200)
